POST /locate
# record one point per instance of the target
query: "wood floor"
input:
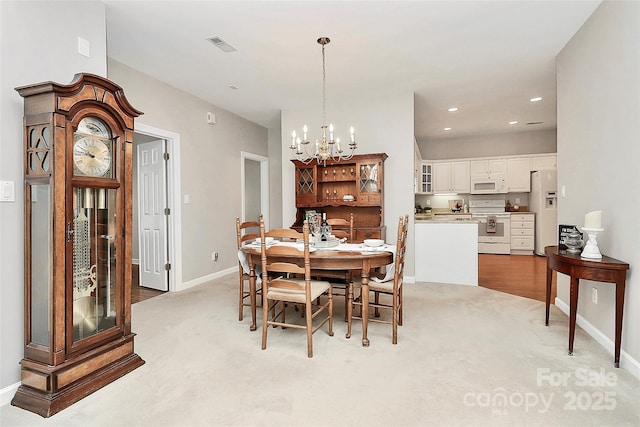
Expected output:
(139, 293)
(522, 275)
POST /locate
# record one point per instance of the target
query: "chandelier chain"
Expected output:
(324, 89)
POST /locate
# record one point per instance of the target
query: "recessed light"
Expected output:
(452, 109)
(513, 122)
(536, 99)
(447, 129)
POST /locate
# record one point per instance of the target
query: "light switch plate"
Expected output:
(7, 191)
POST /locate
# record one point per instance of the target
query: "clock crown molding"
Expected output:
(85, 87)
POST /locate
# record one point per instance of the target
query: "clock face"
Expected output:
(92, 148)
(92, 156)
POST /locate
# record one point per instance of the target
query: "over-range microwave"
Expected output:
(488, 185)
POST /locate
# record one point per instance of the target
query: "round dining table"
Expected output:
(328, 259)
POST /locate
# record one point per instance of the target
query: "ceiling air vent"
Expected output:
(221, 44)
(535, 123)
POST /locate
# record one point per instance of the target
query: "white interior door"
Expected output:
(152, 217)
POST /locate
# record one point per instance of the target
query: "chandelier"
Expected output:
(326, 148)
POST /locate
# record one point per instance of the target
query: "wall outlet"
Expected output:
(428, 202)
(517, 200)
(214, 256)
(594, 295)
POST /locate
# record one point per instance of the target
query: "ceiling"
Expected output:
(488, 58)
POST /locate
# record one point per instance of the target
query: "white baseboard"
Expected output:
(626, 361)
(7, 393)
(204, 279)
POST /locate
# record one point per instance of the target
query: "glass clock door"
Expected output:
(94, 261)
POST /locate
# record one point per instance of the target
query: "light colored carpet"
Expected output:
(466, 356)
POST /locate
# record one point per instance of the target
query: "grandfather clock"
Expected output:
(77, 172)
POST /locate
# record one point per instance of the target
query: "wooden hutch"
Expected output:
(327, 188)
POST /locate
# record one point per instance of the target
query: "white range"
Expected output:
(494, 228)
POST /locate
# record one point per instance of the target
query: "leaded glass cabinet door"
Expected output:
(369, 181)
(77, 164)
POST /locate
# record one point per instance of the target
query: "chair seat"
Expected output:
(381, 287)
(297, 295)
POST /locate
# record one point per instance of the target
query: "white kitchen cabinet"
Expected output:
(519, 174)
(486, 168)
(417, 165)
(425, 179)
(522, 233)
(442, 177)
(451, 177)
(460, 179)
(543, 162)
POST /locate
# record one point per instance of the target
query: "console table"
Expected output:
(604, 270)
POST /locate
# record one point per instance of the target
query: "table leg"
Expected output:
(252, 296)
(349, 291)
(365, 308)
(620, 284)
(548, 300)
(573, 310)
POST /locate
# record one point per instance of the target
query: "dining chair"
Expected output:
(340, 279)
(246, 231)
(342, 228)
(280, 263)
(391, 290)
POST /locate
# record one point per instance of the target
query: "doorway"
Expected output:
(143, 134)
(255, 187)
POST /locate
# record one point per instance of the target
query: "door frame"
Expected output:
(264, 184)
(174, 232)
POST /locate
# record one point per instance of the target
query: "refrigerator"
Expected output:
(543, 201)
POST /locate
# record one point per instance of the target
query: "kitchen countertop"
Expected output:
(447, 220)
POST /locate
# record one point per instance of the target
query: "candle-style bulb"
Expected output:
(304, 132)
(293, 139)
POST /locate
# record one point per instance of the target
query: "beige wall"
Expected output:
(210, 165)
(383, 124)
(275, 178)
(503, 144)
(34, 50)
(598, 153)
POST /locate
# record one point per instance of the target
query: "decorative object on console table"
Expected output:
(567, 234)
(77, 171)
(592, 226)
(322, 187)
